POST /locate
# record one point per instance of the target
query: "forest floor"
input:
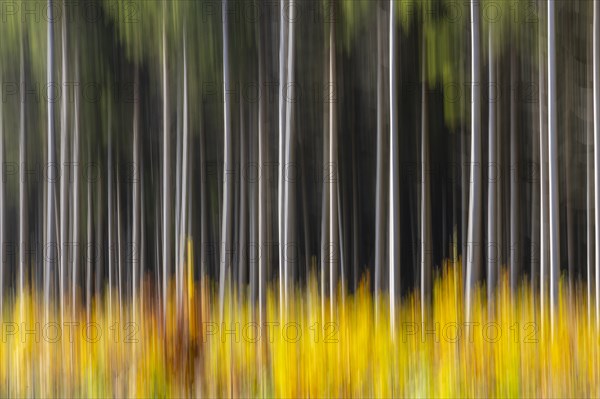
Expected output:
(505, 350)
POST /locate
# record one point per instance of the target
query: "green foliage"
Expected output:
(353, 17)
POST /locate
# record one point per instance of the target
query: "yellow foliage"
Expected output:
(507, 349)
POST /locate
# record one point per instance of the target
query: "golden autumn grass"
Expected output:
(311, 353)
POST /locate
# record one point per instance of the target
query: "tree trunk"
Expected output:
(515, 241)
(590, 201)
(23, 207)
(252, 181)
(394, 199)
(535, 198)
(178, 183)
(135, 252)
(263, 189)
(474, 229)
(75, 198)
(333, 171)
(142, 257)
(120, 257)
(166, 203)
(544, 211)
(281, 167)
(203, 203)
(90, 253)
(50, 258)
(596, 83)
(426, 244)
(98, 261)
(553, 164)
(380, 178)
(355, 217)
(569, 187)
(492, 178)
(243, 206)
(184, 182)
(325, 246)
(290, 178)
(2, 207)
(112, 250)
(228, 163)
(64, 227)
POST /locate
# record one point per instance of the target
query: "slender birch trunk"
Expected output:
(112, 251)
(590, 204)
(281, 167)
(544, 207)
(355, 218)
(492, 179)
(333, 177)
(290, 178)
(394, 200)
(90, 254)
(263, 191)
(325, 246)
(23, 203)
(515, 240)
(243, 205)
(474, 229)
(135, 263)
(50, 258)
(75, 193)
(2, 207)
(596, 85)
(553, 166)
(228, 165)
(64, 227)
(184, 181)
(166, 200)
(426, 244)
(379, 196)
(120, 255)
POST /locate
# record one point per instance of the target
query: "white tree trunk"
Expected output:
(394, 199)
(75, 198)
(166, 205)
(184, 181)
(50, 258)
(590, 205)
(64, 226)
(263, 191)
(290, 249)
(515, 241)
(110, 216)
(426, 244)
(135, 253)
(325, 247)
(243, 203)
(379, 196)
(282, 79)
(544, 215)
(474, 229)
(553, 164)
(89, 256)
(2, 208)
(120, 257)
(333, 176)
(228, 164)
(23, 225)
(492, 180)
(596, 83)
